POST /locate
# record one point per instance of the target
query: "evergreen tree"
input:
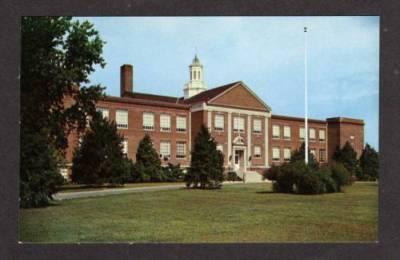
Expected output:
(348, 157)
(57, 56)
(298, 155)
(100, 159)
(148, 164)
(206, 168)
(369, 162)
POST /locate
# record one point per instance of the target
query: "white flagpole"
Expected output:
(305, 98)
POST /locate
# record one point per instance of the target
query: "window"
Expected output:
(238, 124)
(219, 122)
(276, 154)
(322, 155)
(257, 151)
(104, 112)
(312, 151)
(321, 135)
(180, 150)
(257, 126)
(148, 121)
(121, 118)
(312, 133)
(276, 131)
(220, 147)
(64, 173)
(302, 133)
(286, 154)
(165, 149)
(286, 132)
(165, 123)
(125, 147)
(181, 124)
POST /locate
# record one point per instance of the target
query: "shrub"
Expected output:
(325, 174)
(232, 176)
(172, 173)
(310, 183)
(340, 175)
(369, 163)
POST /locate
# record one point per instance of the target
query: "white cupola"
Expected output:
(196, 83)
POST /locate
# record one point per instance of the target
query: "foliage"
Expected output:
(369, 163)
(232, 176)
(173, 173)
(298, 155)
(148, 164)
(206, 168)
(340, 175)
(100, 159)
(348, 157)
(39, 172)
(57, 56)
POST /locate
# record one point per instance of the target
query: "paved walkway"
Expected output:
(113, 191)
(96, 193)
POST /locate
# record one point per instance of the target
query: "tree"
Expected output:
(369, 162)
(148, 164)
(57, 56)
(298, 155)
(348, 157)
(100, 159)
(206, 167)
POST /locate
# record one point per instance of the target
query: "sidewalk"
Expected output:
(99, 193)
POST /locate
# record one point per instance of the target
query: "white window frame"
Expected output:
(257, 151)
(167, 146)
(323, 135)
(105, 112)
(148, 121)
(274, 158)
(257, 126)
(180, 121)
(238, 124)
(220, 147)
(276, 131)
(313, 151)
(180, 145)
(302, 133)
(121, 124)
(287, 132)
(125, 147)
(312, 137)
(219, 121)
(287, 154)
(324, 155)
(165, 123)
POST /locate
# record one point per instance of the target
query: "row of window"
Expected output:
(256, 151)
(238, 124)
(165, 149)
(287, 152)
(121, 119)
(276, 133)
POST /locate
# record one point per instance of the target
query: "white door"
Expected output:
(237, 160)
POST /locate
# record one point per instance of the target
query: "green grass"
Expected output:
(83, 187)
(236, 213)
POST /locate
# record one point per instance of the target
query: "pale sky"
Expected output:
(266, 53)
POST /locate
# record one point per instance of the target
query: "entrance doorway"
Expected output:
(239, 160)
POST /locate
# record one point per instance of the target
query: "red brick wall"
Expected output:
(295, 142)
(239, 97)
(342, 130)
(135, 131)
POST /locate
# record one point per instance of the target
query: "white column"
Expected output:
(209, 120)
(249, 151)
(266, 147)
(229, 137)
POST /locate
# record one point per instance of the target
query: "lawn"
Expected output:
(236, 213)
(81, 187)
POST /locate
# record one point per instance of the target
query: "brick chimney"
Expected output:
(126, 79)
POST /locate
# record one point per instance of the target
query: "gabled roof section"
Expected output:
(209, 94)
(236, 94)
